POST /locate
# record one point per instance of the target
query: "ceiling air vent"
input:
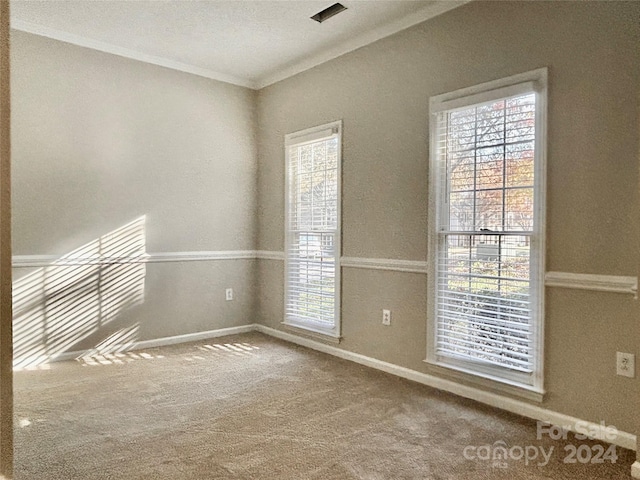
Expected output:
(328, 12)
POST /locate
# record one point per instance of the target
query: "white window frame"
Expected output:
(325, 131)
(533, 81)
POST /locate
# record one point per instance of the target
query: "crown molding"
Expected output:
(81, 41)
(432, 10)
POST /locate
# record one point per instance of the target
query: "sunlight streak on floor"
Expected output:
(121, 357)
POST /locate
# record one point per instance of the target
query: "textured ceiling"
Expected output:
(251, 43)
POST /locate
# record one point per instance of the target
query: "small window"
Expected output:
(312, 232)
(486, 230)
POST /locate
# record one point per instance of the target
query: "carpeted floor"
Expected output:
(251, 407)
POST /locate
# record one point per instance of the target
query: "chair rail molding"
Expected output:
(588, 281)
(410, 266)
(24, 261)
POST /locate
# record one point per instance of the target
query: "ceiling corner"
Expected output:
(81, 41)
(432, 10)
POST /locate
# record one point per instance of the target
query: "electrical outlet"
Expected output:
(386, 317)
(229, 294)
(625, 364)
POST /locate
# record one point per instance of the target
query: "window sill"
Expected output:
(486, 381)
(312, 333)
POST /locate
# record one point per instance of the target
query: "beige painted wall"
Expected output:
(637, 403)
(381, 92)
(6, 354)
(100, 140)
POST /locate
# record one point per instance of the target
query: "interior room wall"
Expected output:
(99, 142)
(382, 91)
(6, 344)
(637, 405)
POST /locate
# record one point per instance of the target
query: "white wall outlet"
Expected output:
(386, 317)
(626, 364)
(229, 294)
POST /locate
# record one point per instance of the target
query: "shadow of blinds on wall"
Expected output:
(58, 306)
(312, 231)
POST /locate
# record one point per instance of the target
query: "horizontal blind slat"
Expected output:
(483, 279)
(501, 351)
(457, 355)
(312, 226)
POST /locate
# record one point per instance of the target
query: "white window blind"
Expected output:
(313, 229)
(487, 236)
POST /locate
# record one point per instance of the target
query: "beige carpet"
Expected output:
(251, 407)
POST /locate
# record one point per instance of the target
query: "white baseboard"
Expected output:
(623, 439)
(192, 337)
(159, 342)
(635, 470)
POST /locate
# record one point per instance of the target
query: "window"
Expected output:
(486, 230)
(312, 231)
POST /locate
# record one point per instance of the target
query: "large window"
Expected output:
(312, 231)
(486, 230)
